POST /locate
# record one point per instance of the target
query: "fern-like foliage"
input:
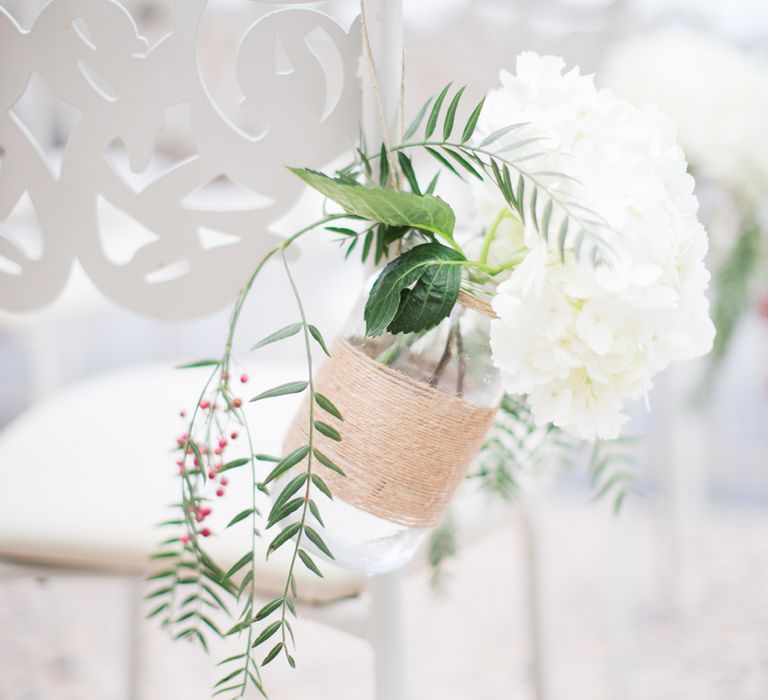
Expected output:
(514, 158)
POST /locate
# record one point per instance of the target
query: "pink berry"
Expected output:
(222, 443)
(212, 474)
(244, 378)
(219, 492)
(205, 404)
(205, 532)
(233, 436)
(237, 403)
(224, 481)
(183, 414)
(217, 451)
(185, 539)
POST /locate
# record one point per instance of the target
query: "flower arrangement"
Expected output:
(717, 96)
(586, 278)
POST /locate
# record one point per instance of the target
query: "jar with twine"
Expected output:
(416, 409)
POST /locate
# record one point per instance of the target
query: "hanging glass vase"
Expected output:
(416, 409)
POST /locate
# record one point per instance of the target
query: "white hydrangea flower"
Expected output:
(579, 340)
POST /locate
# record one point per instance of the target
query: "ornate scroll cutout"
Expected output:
(91, 55)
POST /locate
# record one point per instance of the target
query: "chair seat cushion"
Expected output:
(88, 472)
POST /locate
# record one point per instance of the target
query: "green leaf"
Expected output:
(385, 206)
(367, 242)
(234, 464)
(450, 114)
(321, 485)
(282, 334)
(416, 123)
(383, 165)
(317, 541)
(199, 363)
(273, 653)
(283, 511)
(309, 563)
(242, 515)
(316, 512)
(496, 135)
(290, 489)
(463, 162)
(327, 405)
(469, 129)
(385, 299)
(239, 564)
(289, 461)
(328, 462)
(435, 113)
(268, 609)
(318, 336)
(546, 219)
(282, 390)
(266, 633)
(440, 158)
(283, 537)
(327, 430)
(433, 183)
(407, 167)
(392, 305)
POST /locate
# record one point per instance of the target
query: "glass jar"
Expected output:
(416, 409)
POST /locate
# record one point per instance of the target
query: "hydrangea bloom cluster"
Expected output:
(580, 340)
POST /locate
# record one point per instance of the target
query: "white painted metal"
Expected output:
(388, 636)
(296, 67)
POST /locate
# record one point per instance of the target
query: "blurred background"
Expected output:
(669, 599)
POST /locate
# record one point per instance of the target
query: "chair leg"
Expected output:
(135, 622)
(536, 594)
(388, 636)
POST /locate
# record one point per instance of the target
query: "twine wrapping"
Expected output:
(405, 445)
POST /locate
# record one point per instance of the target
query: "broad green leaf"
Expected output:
(327, 430)
(432, 270)
(328, 462)
(327, 405)
(385, 206)
(435, 113)
(289, 461)
(283, 333)
(282, 390)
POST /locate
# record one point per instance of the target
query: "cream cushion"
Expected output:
(89, 471)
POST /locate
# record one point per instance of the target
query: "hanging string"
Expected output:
(394, 171)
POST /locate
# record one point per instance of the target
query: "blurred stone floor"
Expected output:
(629, 615)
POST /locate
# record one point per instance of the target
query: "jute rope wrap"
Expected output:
(405, 445)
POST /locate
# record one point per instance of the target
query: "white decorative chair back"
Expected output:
(178, 257)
